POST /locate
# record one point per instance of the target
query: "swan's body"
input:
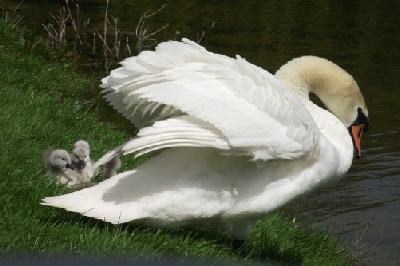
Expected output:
(80, 157)
(236, 141)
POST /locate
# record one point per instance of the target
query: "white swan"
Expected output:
(241, 141)
(80, 157)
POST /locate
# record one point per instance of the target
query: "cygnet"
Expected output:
(59, 163)
(80, 157)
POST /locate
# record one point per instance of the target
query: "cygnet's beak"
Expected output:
(81, 164)
(70, 166)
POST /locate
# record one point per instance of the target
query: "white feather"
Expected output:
(235, 141)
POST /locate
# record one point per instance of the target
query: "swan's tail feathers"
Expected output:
(92, 201)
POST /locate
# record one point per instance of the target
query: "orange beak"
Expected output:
(355, 132)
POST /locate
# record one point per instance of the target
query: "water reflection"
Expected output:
(361, 36)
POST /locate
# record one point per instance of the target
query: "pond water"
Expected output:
(361, 36)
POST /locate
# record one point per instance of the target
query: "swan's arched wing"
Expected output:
(228, 103)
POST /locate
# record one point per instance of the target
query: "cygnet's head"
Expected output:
(60, 159)
(81, 153)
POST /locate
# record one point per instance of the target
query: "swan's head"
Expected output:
(60, 159)
(81, 153)
(334, 87)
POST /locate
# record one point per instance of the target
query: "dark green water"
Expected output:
(361, 36)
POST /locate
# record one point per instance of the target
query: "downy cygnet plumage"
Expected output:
(80, 157)
(59, 164)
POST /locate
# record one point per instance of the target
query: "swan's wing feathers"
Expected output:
(147, 66)
(181, 131)
(251, 109)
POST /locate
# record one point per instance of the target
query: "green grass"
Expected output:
(283, 240)
(42, 107)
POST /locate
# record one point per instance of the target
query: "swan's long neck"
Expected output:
(310, 74)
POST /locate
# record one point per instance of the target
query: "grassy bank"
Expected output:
(42, 107)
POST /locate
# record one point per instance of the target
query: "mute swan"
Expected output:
(80, 157)
(86, 166)
(236, 141)
(58, 162)
(66, 170)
